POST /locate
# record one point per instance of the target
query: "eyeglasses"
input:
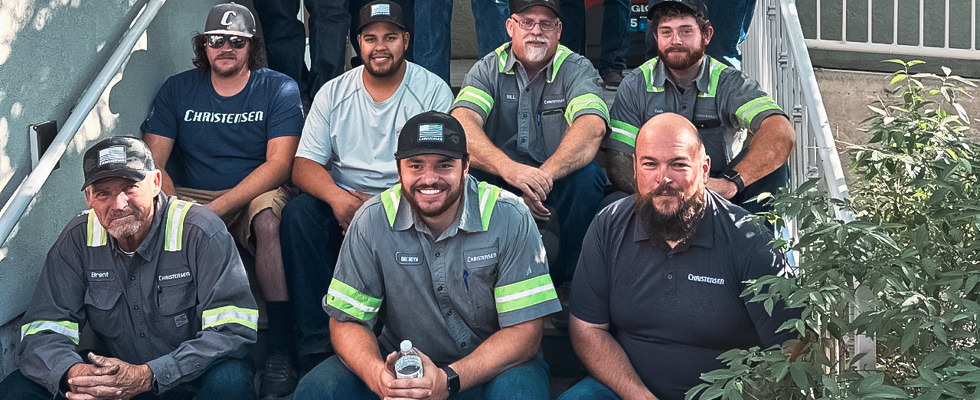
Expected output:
(528, 24)
(218, 41)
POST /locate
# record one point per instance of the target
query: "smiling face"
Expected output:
(383, 47)
(124, 207)
(432, 183)
(534, 46)
(681, 42)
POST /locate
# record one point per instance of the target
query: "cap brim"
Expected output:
(227, 32)
(548, 6)
(390, 21)
(133, 175)
(422, 152)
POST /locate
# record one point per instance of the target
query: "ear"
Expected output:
(708, 34)
(706, 167)
(157, 182)
(635, 167)
(510, 25)
(558, 29)
(406, 37)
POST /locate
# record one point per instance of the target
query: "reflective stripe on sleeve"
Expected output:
(66, 328)
(390, 199)
(623, 132)
(352, 302)
(476, 96)
(524, 294)
(583, 102)
(246, 317)
(95, 234)
(748, 111)
(488, 198)
(174, 234)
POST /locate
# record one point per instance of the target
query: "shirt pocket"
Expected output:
(175, 295)
(104, 313)
(478, 279)
(553, 127)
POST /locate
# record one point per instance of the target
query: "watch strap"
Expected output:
(734, 177)
(452, 380)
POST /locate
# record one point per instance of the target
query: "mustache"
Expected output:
(535, 38)
(380, 54)
(665, 190)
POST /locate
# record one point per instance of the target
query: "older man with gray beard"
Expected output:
(534, 119)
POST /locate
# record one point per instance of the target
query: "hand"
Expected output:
(345, 206)
(432, 385)
(538, 210)
(534, 183)
(112, 378)
(384, 374)
(724, 187)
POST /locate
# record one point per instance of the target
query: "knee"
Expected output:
(266, 225)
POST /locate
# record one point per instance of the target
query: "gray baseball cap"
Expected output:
(230, 19)
(117, 157)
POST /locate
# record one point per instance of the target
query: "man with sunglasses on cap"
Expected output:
(534, 119)
(352, 129)
(450, 263)
(224, 135)
(159, 282)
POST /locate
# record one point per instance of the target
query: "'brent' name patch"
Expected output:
(101, 276)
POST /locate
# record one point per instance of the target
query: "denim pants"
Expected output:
(230, 378)
(575, 198)
(588, 389)
(614, 42)
(311, 238)
(433, 31)
(332, 380)
(491, 17)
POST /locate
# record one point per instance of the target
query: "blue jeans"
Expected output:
(311, 238)
(588, 389)
(491, 15)
(576, 199)
(770, 183)
(332, 380)
(615, 33)
(284, 36)
(432, 35)
(730, 20)
(230, 378)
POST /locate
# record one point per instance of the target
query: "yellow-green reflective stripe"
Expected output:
(488, 198)
(524, 294)
(390, 199)
(501, 56)
(174, 232)
(94, 232)
(748, 111)
(716, 68)
(352, 302)
(246, 317)
(649, 69)
(66, 328)
(476, 96)
(585, 101)
(623, 132)
(560, 56)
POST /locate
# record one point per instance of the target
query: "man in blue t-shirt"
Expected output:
(226, 132)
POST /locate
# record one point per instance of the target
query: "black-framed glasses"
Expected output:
(217, 41)
(528, 24)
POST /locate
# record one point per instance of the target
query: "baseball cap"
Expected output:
(696, 6)
(380, 11)
(431, 132)
(117, 157)
(517, 6)
(230, 19)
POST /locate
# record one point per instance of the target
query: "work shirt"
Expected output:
(526, 117)
(675, 310)
(446, 294)
(177, 304)
(722, 103)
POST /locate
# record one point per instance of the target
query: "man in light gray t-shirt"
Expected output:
(345, 156)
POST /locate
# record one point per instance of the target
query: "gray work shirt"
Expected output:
(447, 294)
(722, 104)
(178, 303)
(526, 117)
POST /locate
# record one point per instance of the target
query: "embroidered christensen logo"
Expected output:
(484, 257)
(170, 277)
(705, 279)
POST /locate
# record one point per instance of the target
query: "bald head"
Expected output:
(669, 151)
(671, 129)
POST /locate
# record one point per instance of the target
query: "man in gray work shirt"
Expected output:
(159, 281)
(452, 264)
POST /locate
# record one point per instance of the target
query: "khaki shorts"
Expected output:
(239, 222)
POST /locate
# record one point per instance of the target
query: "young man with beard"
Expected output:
(159, 282)
(450, 263)
(722, 103)
(225, 133)
(534, 119)
(657, 294)
(352, 129)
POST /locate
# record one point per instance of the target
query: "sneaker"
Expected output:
(560, 319)
(279, 379)
(611, 78)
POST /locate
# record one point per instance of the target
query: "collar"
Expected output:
(506, 60)
(703, 80)
(704, 236)
(469, 219)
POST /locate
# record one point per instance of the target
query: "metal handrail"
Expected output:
(31, 185)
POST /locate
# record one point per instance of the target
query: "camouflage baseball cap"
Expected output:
(117, 157)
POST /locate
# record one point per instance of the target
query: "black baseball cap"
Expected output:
(117, 157)
(230, 19)
(431, 132)
(517, 6)
(380, 11)
(697, 7)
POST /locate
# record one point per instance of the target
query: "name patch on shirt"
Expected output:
(101, 276)
(549, 102)
(480, 257)
(174, 277)
(510, 96)
(705, 279)
(408, 258)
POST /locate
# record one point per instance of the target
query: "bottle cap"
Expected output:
(406, 345)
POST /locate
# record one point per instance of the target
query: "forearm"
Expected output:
(357, 347)
(769, 149)
(266, 177)
(314, 179)
(577, 148)
(620, 170)
(484, 154)
(503, 350)
(606, 361)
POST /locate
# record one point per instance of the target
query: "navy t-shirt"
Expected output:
(220, 140)
(674, 311)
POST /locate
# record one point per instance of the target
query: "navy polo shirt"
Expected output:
(674, 311)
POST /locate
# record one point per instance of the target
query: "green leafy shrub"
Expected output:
(906, 246)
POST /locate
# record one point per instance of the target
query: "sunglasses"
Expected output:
(218, 41)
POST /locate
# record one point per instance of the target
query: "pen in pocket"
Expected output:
(466, 282)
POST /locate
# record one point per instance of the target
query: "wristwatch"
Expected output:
(733, 176)
(452, 381)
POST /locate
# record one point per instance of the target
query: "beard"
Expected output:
(670, 226)
(452, 196)
(382, 72)
(126, 224)
(229, 71)
(682, 58)
(536, 54)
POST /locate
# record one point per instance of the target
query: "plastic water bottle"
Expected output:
(408, 364)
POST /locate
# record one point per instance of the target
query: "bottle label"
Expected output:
(409, 366)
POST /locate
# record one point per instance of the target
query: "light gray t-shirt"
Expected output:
(356, 136)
